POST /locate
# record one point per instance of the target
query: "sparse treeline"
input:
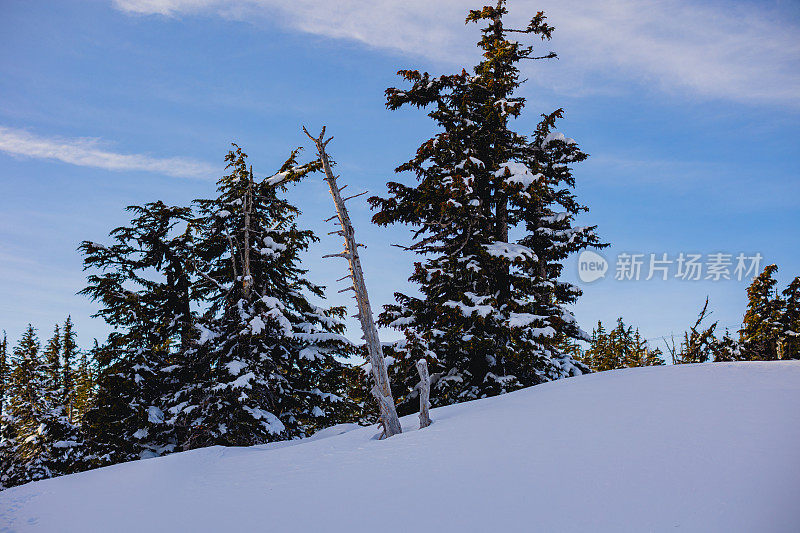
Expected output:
(770, 331)
(44, 394)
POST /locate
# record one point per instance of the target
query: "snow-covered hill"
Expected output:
(712, 447)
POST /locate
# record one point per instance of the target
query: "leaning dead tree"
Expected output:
(381, 389)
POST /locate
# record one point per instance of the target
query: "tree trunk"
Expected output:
(382, 391)
(247, 278)
(424, 393)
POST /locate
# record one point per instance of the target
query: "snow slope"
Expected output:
(713, 447)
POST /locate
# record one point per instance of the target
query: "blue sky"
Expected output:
(689, 111)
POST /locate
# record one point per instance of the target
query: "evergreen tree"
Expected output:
(52, 364)
(42, 441)
(7, 439)
(143, 282)
(761, 327)
(790, 321)
(640, 354)
(622, 347)
(3, 371)
(69, 350)
(492, 308)
(27, 410)
(9, 468)
(727, 349)
(266, 364)
(83, 384)
(699, 344)
(593, 357)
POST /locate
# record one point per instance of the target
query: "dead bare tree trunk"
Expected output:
(247, 281)
(381, 390)
(424, 394)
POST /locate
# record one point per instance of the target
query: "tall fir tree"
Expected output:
(143, 282)
(266, 366)
(790, 321)
(760, 331)
(492, 310)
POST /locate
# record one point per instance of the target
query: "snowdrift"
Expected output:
(713, 447)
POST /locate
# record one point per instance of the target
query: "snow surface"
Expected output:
(710, 447)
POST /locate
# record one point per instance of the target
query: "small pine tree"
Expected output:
(790, 321)
(640, 354)
(727, 349)
(699, 344)
(592, 358)
(622, 347)
(760, 331)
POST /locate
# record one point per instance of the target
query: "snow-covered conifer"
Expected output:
(38, 442)
(790, 321)
(265, 364)
(143, 282)
(494, 218)
(727, 349)
(761, 326)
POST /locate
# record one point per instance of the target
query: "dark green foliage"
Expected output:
(38, 439)
(3, 371)
(266, 366)
(761, 326)
(215, 339)
(492, 311)
(790, 321)
(69, 351)
(727, 349)
(143, 283)
(699, 344)
(26, 410)
(622, 347)
(84, 380)
(7, 437)
(52, 364)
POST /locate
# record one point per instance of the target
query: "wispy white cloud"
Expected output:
(747, 52)
(87, 152)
